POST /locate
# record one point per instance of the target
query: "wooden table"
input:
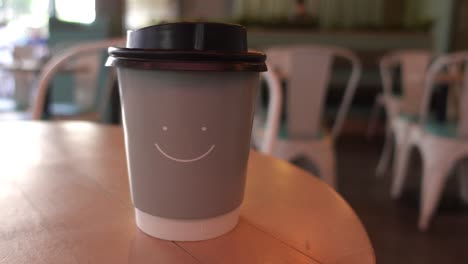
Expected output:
(65, 199)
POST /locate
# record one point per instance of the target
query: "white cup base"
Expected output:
(185, 229)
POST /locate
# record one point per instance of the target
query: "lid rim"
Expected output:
(185, 55)
(172, 65)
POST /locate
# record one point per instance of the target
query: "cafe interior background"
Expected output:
(395, 45)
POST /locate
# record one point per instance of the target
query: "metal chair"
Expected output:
(27, 57)
(401, 110)
(266, 125)
(308, 69)
(442, 144)
(61, 62)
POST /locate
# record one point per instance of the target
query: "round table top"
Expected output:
(65, 199)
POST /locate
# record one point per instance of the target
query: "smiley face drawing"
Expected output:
(193, 159)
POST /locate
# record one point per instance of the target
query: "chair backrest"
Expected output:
(58, 63)
(86, 81)
(413, 65)
(22, 52)
(308, 69)
(62, 35)
(463, 110)
(443, 65)
(26, 56)
(274, 110)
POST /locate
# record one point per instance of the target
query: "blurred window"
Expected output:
(78, 11)
(23, 21)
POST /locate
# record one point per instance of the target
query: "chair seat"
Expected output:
(433, 126)
(397, 93)
(409, 117)
(284, 134)
(441, 129)
(65, 109)
(283, 129)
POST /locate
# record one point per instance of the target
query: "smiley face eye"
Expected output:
(164, 128)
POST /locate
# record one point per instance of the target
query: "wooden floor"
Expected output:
(392, 224)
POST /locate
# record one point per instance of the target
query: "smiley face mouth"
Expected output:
(185, 160)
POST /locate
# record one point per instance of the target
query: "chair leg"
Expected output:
(371, 127)
(326, 164)
(386, 155)
(286, 150)
(463, 181)
(402, 155)
(435, 174)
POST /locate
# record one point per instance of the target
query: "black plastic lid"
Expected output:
(192, 46)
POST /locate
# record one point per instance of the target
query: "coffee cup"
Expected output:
(188, 94)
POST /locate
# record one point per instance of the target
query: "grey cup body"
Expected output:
(187, 138)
